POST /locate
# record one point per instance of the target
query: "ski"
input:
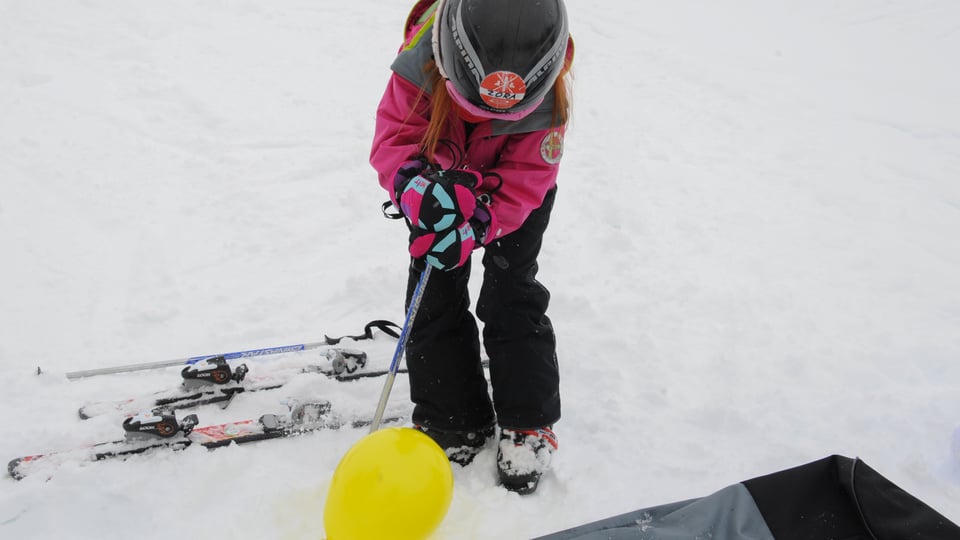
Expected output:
(153, 430)
(215, 381)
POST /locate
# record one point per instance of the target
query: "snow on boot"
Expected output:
(523, 456)
(460, 446)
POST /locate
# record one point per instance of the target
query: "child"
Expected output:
(468, 143)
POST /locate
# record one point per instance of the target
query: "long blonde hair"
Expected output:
(441, 106)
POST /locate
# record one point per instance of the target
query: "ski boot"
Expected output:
(460, 446)
(523, 455)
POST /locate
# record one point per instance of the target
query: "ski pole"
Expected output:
(73, 375)
(401, 345)
(384, 326)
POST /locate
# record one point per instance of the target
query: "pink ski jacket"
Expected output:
(519, 160)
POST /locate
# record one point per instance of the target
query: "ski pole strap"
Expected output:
(386, 327)
(390, 211)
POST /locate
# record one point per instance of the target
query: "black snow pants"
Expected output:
(447, 384)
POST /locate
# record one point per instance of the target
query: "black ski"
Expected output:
(161, 430)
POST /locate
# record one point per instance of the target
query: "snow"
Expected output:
(753, 255)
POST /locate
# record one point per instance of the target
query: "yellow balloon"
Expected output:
(394, 484)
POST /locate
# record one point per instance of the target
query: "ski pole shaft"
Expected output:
(74, 375)
(401, 346)
(386, 327)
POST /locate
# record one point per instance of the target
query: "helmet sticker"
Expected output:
(502, 89)
(551, 149)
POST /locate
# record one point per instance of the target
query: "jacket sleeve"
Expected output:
(402, 119)
(526, 176)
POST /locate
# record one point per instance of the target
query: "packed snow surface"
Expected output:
(754, 256)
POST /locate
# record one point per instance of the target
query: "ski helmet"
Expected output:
(500, 56)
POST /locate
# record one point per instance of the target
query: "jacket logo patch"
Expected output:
(502, 89)
(551, 149)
